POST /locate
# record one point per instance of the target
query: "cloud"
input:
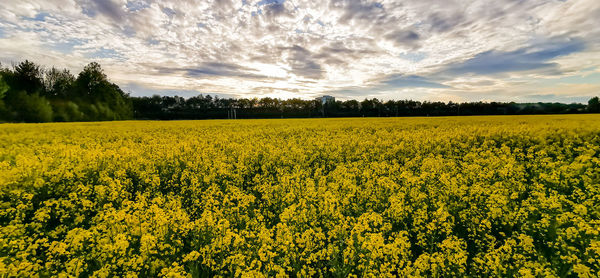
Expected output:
(441, 22)
(273, 8)
(302, 63)
(407, 38)
(420, 49)
(108, 8)
(136, 5)
(359, 10)
(387, 85)
(536, 57)
(412, 81)
(213, 69)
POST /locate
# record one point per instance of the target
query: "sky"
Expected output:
(503, 50)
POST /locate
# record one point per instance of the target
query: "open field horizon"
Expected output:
(584, 115)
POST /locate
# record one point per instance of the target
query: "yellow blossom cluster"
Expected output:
(499, 196)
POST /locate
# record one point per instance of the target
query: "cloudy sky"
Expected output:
(507, 50)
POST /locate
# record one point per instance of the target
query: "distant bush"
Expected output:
(67, 111)
(31, 108)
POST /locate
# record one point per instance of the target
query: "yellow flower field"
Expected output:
(506, 196)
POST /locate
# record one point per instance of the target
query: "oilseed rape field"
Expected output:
(495, 196)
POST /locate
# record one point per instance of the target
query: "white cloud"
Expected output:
(302, 48)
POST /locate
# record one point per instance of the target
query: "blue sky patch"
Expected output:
(153, 41)
(134, 6)
(168, 11)
(413, 56)
(38, 17)
(268, 2)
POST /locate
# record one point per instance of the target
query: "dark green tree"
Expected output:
(100, 99)
(3, 89)
(593, 105)
(58, 83)
(90, 80)
(28, 77)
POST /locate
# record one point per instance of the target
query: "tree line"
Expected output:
(30, 93)
(209, 107)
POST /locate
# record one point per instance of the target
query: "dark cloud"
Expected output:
(267, 53)
(213, 69)
(307, 68)
(223, 4)
(441, 22)
(535, 57)
(109, 9)
(359, 10)
(341, 49)
(169, 12)
(338, 54)
(303, 64)
(274, 8)
(407, 38)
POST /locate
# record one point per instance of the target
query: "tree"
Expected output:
(28, 77)
(58, 83)
(98, 97)
(89, 80)
(3, 89)
(593, 105)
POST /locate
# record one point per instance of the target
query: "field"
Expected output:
(506, 196)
